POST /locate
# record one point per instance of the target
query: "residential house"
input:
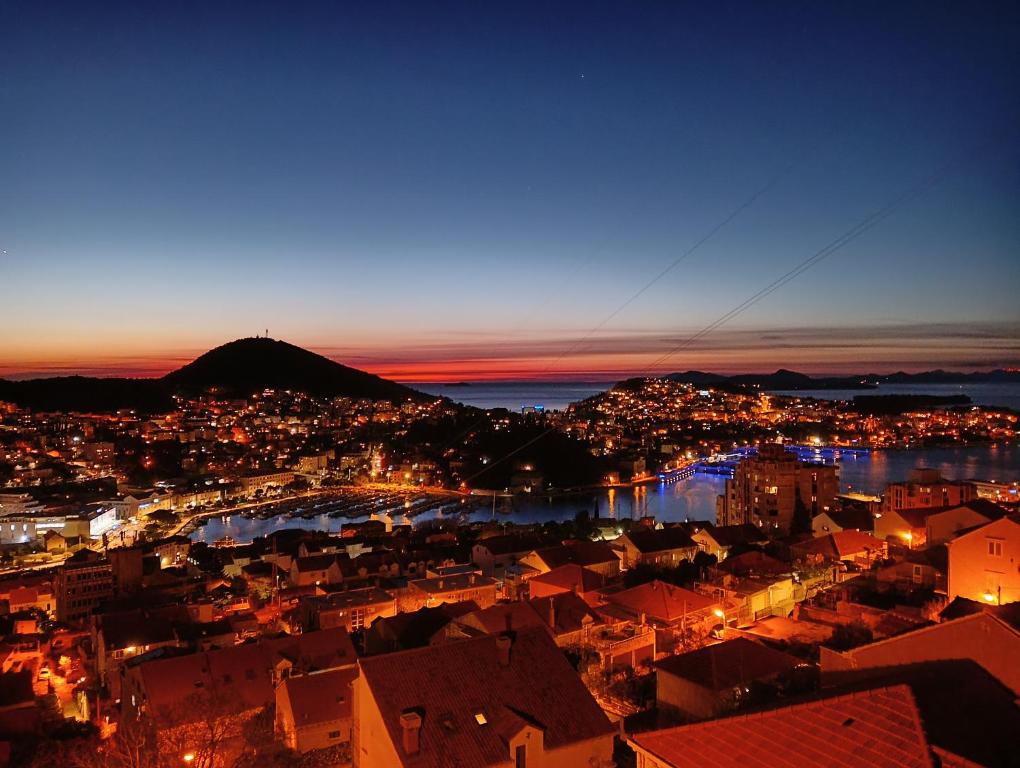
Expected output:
(505, 700)
(674, 613)
(315, 569)
(984, 563)
(870, 729)
(920, 526)
(414, 629)
(228, 686)
(494, 554)
(435, 590)
(718, 540)
(983, 638)
(352, 609)
(597, 556)
(582, 581)
(662, 548)
(849, 518)
(917, 569)
(716, 679)
(314, 711)
(856, 547)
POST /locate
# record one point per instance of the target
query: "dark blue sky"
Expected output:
(467, 189)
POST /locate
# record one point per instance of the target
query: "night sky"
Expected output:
(436, 191)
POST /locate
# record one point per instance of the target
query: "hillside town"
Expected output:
(802, 620)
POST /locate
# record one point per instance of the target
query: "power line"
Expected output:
(869, 222)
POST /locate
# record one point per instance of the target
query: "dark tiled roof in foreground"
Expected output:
(725, 665)
(879, 727)
(449, 684)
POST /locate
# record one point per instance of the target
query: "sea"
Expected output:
(692, 499)
(555, 396)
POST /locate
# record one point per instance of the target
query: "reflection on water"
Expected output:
(693, 499)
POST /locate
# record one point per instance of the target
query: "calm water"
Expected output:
(553, 396)
(692, 499)
(1001, 395)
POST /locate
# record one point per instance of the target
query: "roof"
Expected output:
(571, 577)
(314, 563)
(321, 697)
(728, 664)
(878, 727)
(511, 543)
(659, 600)
(749, 563)
(238, 678)
(503, 617)
(961, 606)
(918, 516)
(569, 613)
(840, 544)
(414, 629)
(577, 552)
(16, 689)
(449, 684)
(732, 535)
(662, 540)
(350, 598)
(853, 517)
(441, 584)
(964, 709)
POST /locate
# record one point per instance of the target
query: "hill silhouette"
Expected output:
(238, 369)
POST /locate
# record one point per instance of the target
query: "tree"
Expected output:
(847, 636)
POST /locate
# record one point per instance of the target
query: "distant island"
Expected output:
(792, 380)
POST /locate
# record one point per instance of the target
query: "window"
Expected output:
(917, 574)
(994, 548)
(334, 734)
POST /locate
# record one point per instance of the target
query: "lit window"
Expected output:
(480, 718)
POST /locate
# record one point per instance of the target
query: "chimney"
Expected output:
(440, 583)
(641, 618)
(471, 579)
(410, 724)
(503, 643)
(552, 613)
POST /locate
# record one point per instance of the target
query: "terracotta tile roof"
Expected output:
(314, 563)
(731, 535)
(413, 629)
(503, 617)
(448, 685)
(878, 727)
(511, 544)
(663, 540)
(569, 613)
(321, 697)
(964, 709)
(725, 665)
(961, 606)
(578, 553)
(857, 518)
(840, 544)
(571, 577)
(462, 581)
(754, 563)
(239, 677)
(662, 601)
